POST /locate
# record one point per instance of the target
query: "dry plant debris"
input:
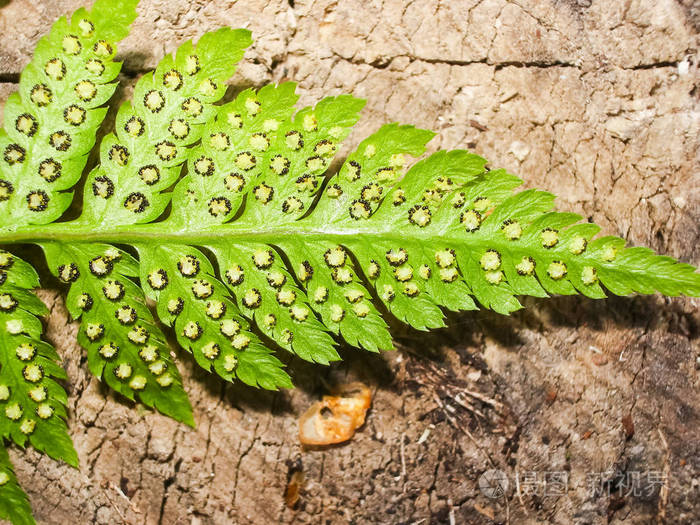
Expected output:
(335, 418)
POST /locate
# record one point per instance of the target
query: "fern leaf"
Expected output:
(192, 300)
(31, 401)
(125, 346)
(223, 167)
(302, 264)
(305, 257)
(144, 155)
(443, 234)
(59, 102)
(14, 505)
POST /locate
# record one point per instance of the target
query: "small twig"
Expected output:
(489, 401)
(403, 455)
(424, 436)
(664, 492)
(461, 402)
(517, 486)
(114, 506)
(505, 498)
(119, 491)
(455, 424)
(402, 449)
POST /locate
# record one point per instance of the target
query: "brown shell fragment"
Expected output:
(335, 418)
(294, 487)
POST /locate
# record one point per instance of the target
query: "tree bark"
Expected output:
(591, 410)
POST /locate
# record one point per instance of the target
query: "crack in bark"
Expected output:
(384, 62)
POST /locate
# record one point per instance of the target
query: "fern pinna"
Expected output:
(227, 217)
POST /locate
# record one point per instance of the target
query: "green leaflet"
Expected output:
(345, 310)
(51, 123)
(144, 155)
(31, 401)
(240, 227)
(224, 167)
(14, 505)
(126, 349)
(266, 293)
(195, 303)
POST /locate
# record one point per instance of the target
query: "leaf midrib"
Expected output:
(164, 232)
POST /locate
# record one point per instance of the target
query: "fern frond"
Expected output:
(305, 257)
(14, 505)
(51, 123)
(440, 235)
(302, 264)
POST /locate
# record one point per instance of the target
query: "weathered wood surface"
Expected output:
(596, 101)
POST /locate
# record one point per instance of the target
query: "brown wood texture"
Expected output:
(596, 101)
